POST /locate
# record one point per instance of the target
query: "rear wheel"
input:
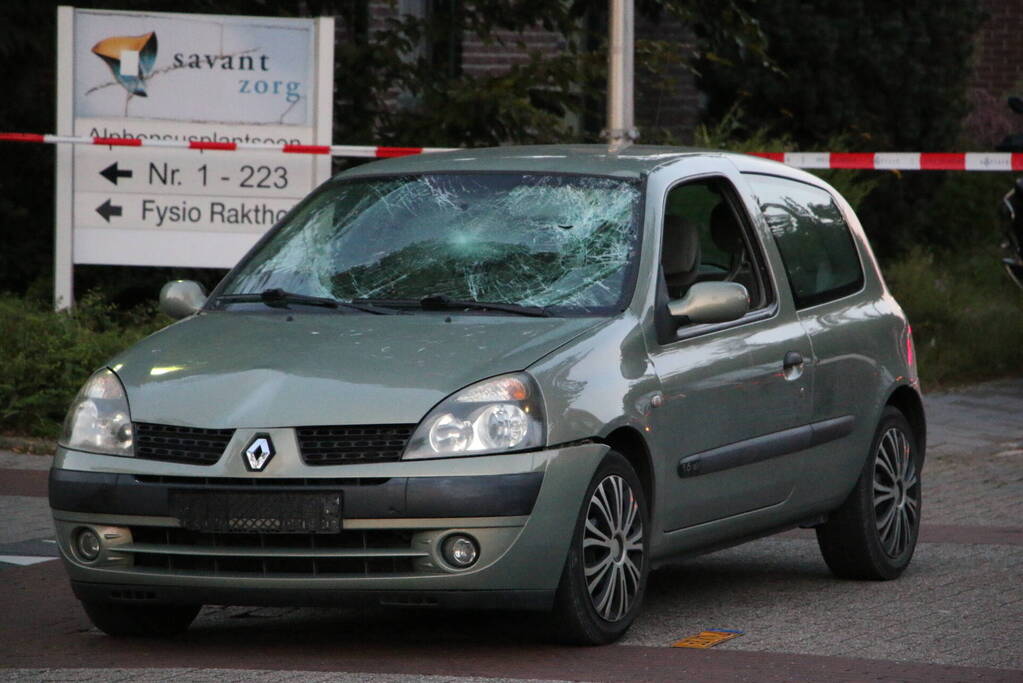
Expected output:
(117, 619)
(873, 535)
(605, 573)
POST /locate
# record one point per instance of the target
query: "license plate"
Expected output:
(258, 512)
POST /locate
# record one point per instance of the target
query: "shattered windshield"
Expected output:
(553, 241)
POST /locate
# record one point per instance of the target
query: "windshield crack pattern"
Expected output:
(526, 239)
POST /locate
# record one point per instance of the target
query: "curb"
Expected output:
(28, 445)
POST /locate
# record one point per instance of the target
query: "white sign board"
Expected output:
(184, 77)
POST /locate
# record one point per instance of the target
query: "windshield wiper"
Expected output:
(280, 298)
(442, 302)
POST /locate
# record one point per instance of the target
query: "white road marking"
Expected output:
(24, 560)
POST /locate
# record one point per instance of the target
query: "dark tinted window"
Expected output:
(819, 254)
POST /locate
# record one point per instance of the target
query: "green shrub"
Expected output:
(966, 314)
(47, 356)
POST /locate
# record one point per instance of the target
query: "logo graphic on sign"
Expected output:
(130, 58)
(259, 452)
(159, 77)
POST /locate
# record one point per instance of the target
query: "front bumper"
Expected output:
(521, 509)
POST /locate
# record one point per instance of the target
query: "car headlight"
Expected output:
(498, 415)
(98, 420)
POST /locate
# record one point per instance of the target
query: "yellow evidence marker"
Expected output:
(705, 639)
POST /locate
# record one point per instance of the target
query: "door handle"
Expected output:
(792, 366)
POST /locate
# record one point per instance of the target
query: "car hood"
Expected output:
(263, 370)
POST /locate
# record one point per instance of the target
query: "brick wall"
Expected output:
(379, 12)
(997, 72)
(674, 109)
(506, 49)
(666, 106)
(998, 52)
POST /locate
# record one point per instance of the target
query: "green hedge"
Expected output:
(966, 314)
(47, 356)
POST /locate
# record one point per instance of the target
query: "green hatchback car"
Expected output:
(504, 378)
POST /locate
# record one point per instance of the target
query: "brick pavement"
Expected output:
(959, 604)
(25, 518)
(231, 676)
(960, 601)
(975, 456)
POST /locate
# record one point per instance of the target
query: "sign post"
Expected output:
(178, 77)
(621, 129)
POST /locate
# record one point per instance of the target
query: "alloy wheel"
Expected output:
(613, 548)
(896, 492)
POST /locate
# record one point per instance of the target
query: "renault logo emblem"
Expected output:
(259, 452)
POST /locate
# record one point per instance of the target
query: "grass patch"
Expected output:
(47, 356)
(967, 315)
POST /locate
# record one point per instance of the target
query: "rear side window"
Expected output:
(820, 257)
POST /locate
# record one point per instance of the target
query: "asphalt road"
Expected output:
(956, 614)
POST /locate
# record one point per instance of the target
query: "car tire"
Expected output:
(129, 621)
(605, 573)
(873, 534)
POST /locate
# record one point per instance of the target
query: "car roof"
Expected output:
(634, 161)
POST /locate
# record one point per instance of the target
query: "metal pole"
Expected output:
(621, 129)
(324, 132)
(63, 253)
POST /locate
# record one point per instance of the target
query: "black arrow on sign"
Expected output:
(106, 209)
(111, 173)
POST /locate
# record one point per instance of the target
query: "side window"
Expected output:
(705, 239)
(816, 247)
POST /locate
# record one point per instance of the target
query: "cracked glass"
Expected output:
(561, 242)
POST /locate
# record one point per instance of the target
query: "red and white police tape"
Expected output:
(878, 161)
(901, 161)
(332, 150)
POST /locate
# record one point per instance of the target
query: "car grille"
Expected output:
(347, 445)
(293, 483)
(191, 445)
(349, 553)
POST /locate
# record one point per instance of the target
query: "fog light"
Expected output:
(87, 545)
(460, 550)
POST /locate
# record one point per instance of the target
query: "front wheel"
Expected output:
(123, 620)
(604, 578)
(873, 535)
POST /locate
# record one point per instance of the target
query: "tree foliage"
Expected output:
(880, 75)
(891, 75)
(876, 75)
(401, 85)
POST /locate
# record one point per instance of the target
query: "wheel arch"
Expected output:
(908, 401)
(630, 443)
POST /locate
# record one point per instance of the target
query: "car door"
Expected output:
(824, 267)
(737, 395)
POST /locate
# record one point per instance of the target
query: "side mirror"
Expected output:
(710, 302)
(181, 298)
